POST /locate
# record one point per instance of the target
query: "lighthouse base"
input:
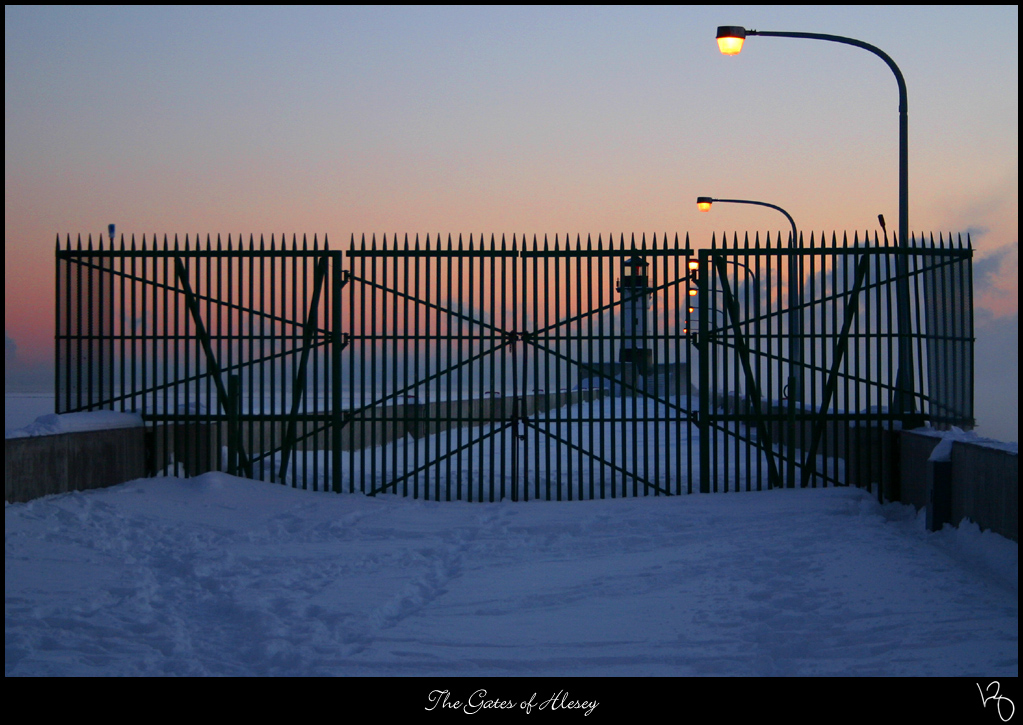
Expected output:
(627, 378)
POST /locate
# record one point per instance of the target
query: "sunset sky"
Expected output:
(507, 120)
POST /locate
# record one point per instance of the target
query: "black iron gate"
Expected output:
(482, 370)
(520, 369)
(808, 375)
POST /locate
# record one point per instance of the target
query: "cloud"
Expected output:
(10, 350)
(996, 281)
(997, 376)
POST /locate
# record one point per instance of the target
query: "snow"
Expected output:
(54, 423)
(218, 575)
(943, 451)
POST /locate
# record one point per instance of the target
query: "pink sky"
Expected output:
(550, 120)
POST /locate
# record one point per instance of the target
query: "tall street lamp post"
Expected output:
(730, 39)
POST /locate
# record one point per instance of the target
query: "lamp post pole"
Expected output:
(730, 39)
(795, 381)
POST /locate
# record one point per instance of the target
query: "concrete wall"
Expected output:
(985, 487)
(982, 483)
(43, 465)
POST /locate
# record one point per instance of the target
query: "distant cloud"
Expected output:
(24, 375)
(986, 268)
(996, 280)
(997, 375)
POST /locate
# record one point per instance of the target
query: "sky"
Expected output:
(342, 121)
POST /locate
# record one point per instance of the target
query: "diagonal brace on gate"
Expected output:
(298, 392)
(763, 434)
(841, 347)
(227, 402)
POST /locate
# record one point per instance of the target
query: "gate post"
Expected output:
(336, 401)
(702, 348)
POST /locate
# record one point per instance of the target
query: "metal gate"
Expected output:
(486, 369)
(482, 369)
(803, 347)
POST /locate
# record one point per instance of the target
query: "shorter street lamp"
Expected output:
(795, 383)
(703, 204)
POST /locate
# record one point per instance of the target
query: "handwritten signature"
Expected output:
(998, 698)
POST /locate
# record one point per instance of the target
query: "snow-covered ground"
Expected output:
(219, 575)
(224, 576)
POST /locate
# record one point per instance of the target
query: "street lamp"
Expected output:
(730, 39)
(795, 381)
(703, 203)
